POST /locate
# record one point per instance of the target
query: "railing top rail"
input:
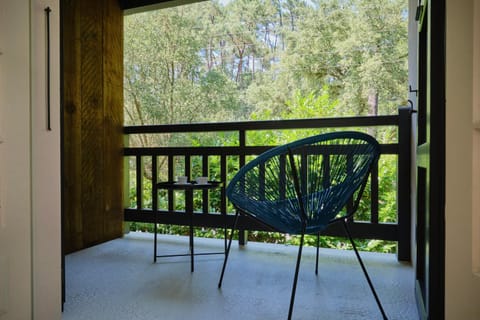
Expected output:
(389, 148)
(363, 121)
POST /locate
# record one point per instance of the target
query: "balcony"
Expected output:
(149, 165)
(118, 281)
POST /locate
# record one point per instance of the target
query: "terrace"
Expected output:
(139, 289)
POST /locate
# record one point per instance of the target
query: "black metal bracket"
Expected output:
(47, 13)
(412, 90)
(410, 102)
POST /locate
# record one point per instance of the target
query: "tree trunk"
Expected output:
(373, 102)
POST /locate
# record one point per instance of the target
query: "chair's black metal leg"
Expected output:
(228, 250)
(364, 270)
(191, 244)
(316, 260)
(155, 231)
(225, 234)
(295, 278)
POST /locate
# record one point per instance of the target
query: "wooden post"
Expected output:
(92, 138)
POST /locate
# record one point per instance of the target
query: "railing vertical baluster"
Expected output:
(223, 177)
(374, 195)
(154, 183)
(171, 177)
(223, 197)
(188, 172)
(139, 176)
(242, 160)
(205, 193)
(188, 166)
(242, 144)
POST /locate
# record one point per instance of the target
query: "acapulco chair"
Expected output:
(304, 186)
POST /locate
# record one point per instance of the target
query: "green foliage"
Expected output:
(357, 47)
(262, 60)
(213, 61)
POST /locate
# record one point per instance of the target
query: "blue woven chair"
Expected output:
(304, 186)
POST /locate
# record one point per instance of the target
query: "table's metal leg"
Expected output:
(192, 254)
(154, 205)
(189, 208)
(155, 230)
(155, 239)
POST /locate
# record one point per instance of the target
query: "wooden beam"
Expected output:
(135, 6)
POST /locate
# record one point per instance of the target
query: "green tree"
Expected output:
(267, 59)
(165, 78)
(213, 60)
(356, 47)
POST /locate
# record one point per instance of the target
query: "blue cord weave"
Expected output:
(331, 171)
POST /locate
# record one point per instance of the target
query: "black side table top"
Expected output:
(189, 185)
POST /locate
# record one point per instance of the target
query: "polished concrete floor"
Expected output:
(118, 280)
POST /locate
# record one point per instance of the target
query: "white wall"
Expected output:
(15, 229)
(45, 166)
(412, 96)
(29, 166)
(462, 286)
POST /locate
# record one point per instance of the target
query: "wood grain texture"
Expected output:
(71, 191)
(113, 106)
(93, 120)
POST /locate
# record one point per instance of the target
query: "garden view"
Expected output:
(241, 60)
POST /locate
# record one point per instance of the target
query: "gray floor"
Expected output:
(118, 280)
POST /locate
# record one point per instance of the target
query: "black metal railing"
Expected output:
(177, 160)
